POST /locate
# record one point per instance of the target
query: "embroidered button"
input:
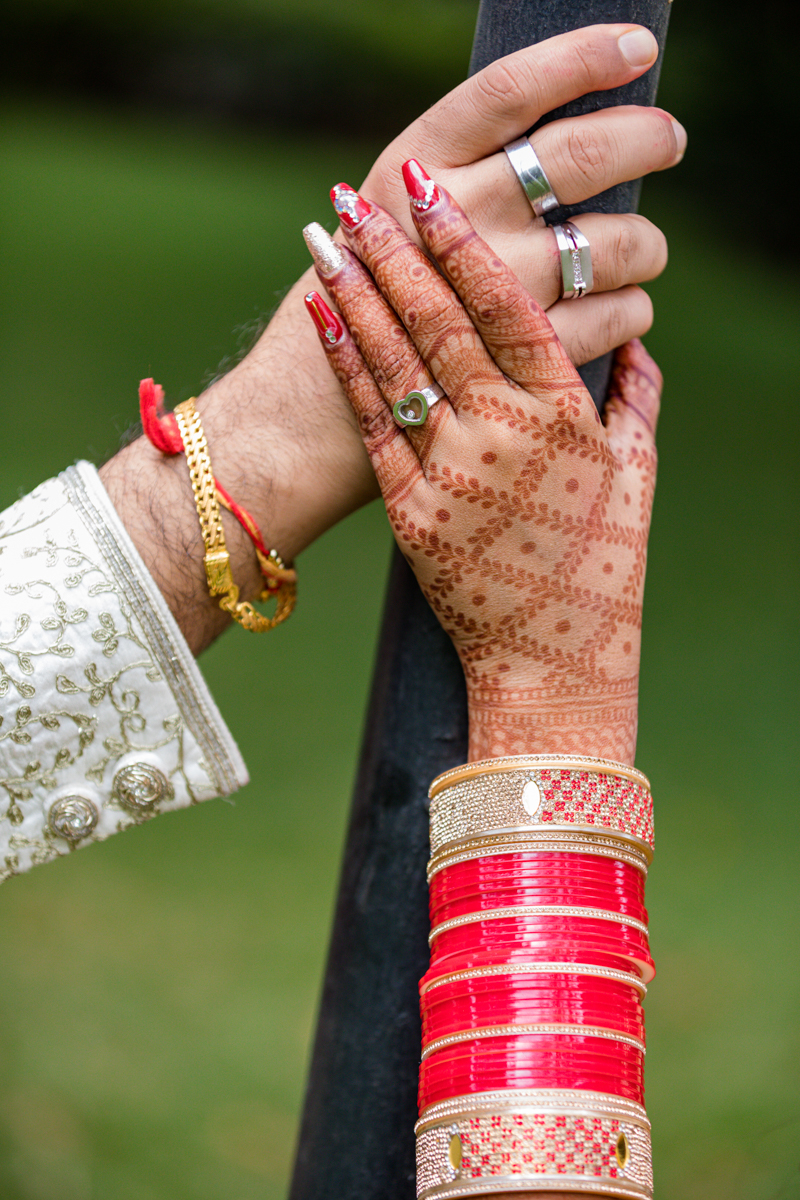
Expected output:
(140, 786)
(73, 817)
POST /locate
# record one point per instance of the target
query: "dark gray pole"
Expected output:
(356, 1138)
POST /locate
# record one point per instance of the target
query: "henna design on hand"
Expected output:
(543, 596)
(523, 515)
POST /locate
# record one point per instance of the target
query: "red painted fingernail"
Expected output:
(328, 324)
(422, 191)
(351, 207)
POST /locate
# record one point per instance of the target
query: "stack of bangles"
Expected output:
(532, 1023)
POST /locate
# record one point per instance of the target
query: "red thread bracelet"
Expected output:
(161, 430)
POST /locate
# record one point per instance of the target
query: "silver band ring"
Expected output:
(576, 261)
(414, 407)
(530, 173)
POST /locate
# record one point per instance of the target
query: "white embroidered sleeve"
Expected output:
(105, 719)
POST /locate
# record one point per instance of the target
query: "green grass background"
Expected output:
(159, 990)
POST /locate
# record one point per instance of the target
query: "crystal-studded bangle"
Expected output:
(544, 1140)
(525, 794)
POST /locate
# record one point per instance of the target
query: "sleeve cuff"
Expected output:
(105, 719)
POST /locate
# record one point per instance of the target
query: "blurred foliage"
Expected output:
(370, 66)
(365, 67)
(159, 989)
(730, 76)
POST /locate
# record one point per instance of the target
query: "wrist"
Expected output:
(555, 717)
(283, 443)
(283, 437)
(531, 1008)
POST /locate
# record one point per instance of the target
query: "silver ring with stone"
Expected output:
(413, 409)
(530, 173)
(576, 261)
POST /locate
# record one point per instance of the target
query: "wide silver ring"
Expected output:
(413, 409)
(530, 173)
(576, 261)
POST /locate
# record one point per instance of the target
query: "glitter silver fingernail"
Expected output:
(326, 254)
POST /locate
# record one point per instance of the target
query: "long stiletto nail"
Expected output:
(326, 321)
(422, 191)
(324, 251)
(351, 207)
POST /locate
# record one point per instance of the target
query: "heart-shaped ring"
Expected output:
(414, 407)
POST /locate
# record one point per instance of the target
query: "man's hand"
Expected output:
(282, 435)
(460, 141)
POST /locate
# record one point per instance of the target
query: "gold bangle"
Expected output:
(549, 1028)
(536, 842)
(216, 559)
(536, 968)
(513, 911)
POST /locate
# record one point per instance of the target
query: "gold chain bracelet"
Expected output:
(216, 559)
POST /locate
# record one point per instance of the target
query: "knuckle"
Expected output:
(397, 363)
(628, 314)
(503, 89)
(647, 246)
(355, 295)
(617, 322)
(585, 153)
(645, 313)
(348, 366)
(377, 428)
(495, 297)
(659, 249)
(633, 315)
(585, 62)
(353, 376)
(434, 312)
(625, 247)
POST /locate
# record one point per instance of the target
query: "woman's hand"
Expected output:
(524, 517)
(301, 465)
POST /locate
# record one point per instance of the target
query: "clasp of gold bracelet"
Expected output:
(217, 560)
(218, 573)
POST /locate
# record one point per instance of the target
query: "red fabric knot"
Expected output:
(161, 430)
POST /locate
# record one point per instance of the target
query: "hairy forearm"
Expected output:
(282, 441)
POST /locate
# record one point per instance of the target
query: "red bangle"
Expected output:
(540, 896)
(511, 871)
(553, 862)
(466, 1069)
(547, 937)
(485, 1002)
